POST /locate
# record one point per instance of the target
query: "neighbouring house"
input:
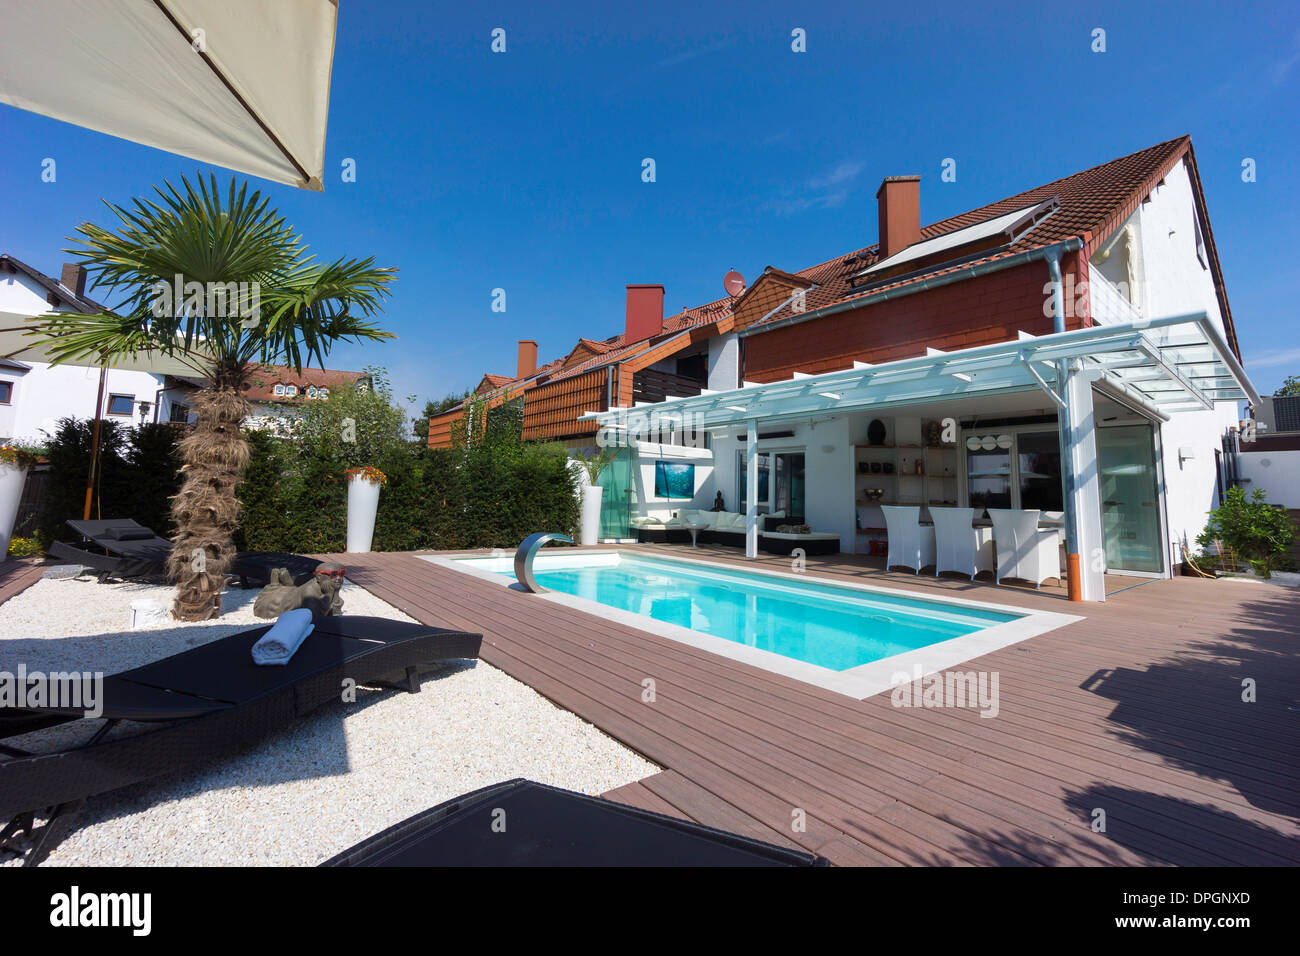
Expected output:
(276, 392)
(1068, 349)
(1268, 450)
(35, 395)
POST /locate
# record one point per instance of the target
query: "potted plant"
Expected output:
(592, 494)
(363, 501)
(15, 462)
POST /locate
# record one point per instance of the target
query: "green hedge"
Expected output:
(139, 474)
(487, 496)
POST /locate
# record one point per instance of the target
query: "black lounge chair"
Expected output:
(201, 704)
(133, 550)
(136, 551)
(547, 826)
(253, 568)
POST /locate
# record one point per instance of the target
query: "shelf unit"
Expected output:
(938, 483)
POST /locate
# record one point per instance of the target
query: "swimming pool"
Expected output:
(840, 636)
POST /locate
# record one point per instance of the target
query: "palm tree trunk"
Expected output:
(206, 511)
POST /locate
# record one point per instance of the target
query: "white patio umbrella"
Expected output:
(242, 84)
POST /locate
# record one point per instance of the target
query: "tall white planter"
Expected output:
(12, 478)
(363, 502)
(591, 495)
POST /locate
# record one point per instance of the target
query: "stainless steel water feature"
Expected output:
(527, 551)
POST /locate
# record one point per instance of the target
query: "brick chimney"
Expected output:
(899, 204)
(74, 278)
(645, 312)
(527, 363)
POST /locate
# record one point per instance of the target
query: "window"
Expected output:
(6, 393)
(278, 391)
(313, 391)
(1014, 469)
(322, 392)
(179, 413)
(674, 479)
(121, 404)
(291, 390)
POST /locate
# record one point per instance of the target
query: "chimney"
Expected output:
(74, 278)
(645, 312)
(899, 203)
(527, 363)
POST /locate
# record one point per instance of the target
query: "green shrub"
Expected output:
(491, 494)
(139, 474)
(1258, 532)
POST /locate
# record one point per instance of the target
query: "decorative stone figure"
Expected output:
(320, 595)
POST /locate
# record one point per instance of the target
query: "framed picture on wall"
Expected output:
(674, 479)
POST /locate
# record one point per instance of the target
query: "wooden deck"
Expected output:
(18, 574)
(1135, 711)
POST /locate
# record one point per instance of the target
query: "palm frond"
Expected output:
(232, 239)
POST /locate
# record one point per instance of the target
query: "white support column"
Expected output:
(751, 490)
(1082, 483)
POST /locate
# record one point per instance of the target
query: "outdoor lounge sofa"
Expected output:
(199, 705)
(136, 551)
(554, 827)
(728, 528)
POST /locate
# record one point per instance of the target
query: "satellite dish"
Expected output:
(733, 282)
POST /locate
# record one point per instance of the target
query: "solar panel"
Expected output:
(1286, 413)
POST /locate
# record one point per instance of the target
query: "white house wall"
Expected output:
(46, 393)
(1276, 472)
(724, 362)
(1173, 280)
(643, 477)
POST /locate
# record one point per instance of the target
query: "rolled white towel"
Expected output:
(281, 642)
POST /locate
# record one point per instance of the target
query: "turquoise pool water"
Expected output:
(833, 627)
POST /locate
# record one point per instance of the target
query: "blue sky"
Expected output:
(522, 170)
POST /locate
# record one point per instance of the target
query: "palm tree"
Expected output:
(259, 298)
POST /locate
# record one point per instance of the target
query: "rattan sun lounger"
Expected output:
(136, 551)
(133, 550)
(199, 705)
(547, 826)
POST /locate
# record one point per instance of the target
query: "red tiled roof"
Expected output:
(264, 378)
(496, 381)
(1093, 203)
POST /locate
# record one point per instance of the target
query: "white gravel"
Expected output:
(324, 783)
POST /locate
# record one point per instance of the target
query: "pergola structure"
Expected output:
(1158, 367)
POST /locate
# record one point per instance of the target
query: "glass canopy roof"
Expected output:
(1168, 365)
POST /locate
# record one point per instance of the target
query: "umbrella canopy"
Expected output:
(17, 345)
(242, 84)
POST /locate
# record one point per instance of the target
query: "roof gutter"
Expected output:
(935, 282)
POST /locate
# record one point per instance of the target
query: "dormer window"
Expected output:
(313, 391)
(278, 390)
(323, 392)
(291, 391)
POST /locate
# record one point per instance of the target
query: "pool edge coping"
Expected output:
(861, 682)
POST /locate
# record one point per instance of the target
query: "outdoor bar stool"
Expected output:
(956, 541)
(911, 544)
(1023, 550)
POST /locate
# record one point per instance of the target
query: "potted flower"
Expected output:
(592, 494)
(15, 462)
(363, 501)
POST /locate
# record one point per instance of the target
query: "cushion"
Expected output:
(793, 529)
(128, 534)
(734, 520)
(777, 514)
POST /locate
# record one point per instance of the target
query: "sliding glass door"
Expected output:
(1130, 499)
(786, 493)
